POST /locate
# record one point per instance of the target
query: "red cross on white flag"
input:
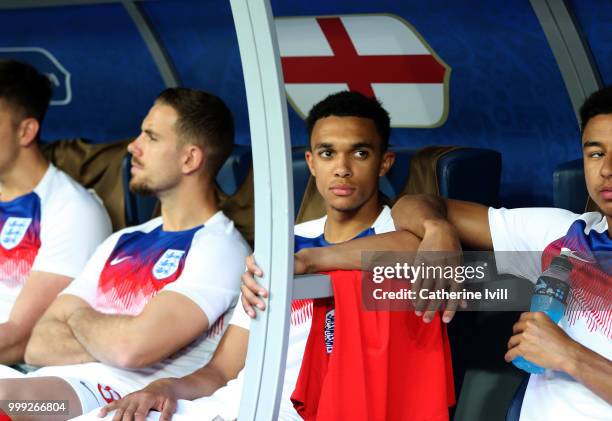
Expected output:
(379, 55)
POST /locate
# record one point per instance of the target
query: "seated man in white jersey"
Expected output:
(40, 253)
(349, 135)
(577, 353)
(150, 302)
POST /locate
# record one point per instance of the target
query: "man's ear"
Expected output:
(193, 158)
(387, 162)
(28, 131)
(309, 158)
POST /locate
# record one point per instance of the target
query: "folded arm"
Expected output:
(348, 255)
(140, 341)
(422, 214)
(52, 341)
(40, 289)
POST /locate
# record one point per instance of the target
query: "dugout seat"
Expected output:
(470, 174)
(569, 188)
(514, 410)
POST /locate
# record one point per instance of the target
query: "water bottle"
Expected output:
(550, 297)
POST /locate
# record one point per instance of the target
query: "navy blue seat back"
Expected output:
(514, 410)
(398, 174)
(138, 208)
(569, 188)
(470, 174)
(234, 171)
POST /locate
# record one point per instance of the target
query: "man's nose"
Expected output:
(343, 168)
(134, 147)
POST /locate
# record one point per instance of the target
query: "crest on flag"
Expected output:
(13, 231)
(167, 264)
(377, 55)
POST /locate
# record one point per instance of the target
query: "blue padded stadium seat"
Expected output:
(234, 171)
(139, 208)
(569, 188)
(514, 410)
(471, 174)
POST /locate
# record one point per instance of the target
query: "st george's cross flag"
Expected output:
(377, 55)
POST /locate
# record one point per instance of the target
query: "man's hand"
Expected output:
(252, 293)
(302, 262)
(159, 396)
(440, 246)
(537, 339)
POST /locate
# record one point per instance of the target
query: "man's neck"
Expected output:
(609, 220)
(24, 174)
(188, 206)
(343, 226)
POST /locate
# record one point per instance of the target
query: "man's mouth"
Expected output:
(606, 193)
(136, 165)
(342, 190)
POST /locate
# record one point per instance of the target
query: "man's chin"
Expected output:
(605, 207)
(141, 189)
(344, 205)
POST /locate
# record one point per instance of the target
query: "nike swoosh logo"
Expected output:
(570, 253)
(116, 260)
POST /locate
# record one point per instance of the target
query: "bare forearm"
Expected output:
(349, 255)
(592, 370)
(411, 212)
(12, 343)
(203, 382)
(102, 335)
(52, 343)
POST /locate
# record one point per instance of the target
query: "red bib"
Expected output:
(383, 365)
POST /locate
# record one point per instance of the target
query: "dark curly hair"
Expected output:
(352, 104)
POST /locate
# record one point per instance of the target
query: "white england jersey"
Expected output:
(553, 395)
(135, 264)
(55, 228)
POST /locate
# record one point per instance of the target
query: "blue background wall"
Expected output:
(506, 92)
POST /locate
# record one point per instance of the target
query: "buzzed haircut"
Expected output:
(203, 120)
(599, 102)
(24, 89)
(352, 104)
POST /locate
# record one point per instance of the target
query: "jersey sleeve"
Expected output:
(70, 232)
(240, 318)
(384, 223)
(521, 235)
(85, 284)
(211, 276)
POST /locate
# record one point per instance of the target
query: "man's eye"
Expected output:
(596, 154)
(325, 154)
(361, 154)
